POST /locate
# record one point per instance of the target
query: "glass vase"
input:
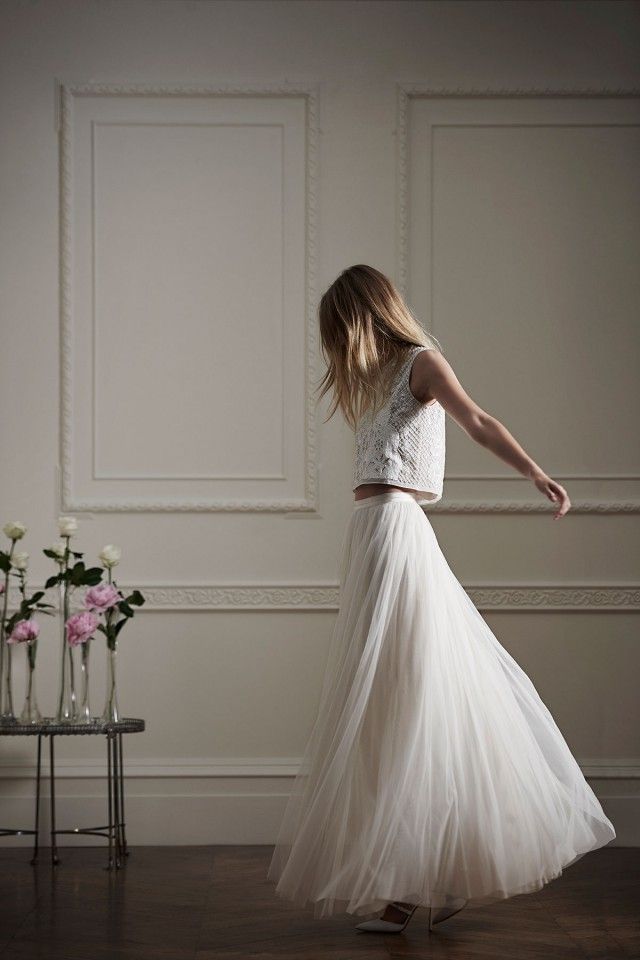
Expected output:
(6, 694)
(84, 715)
(30, 712)
(67, 702)
(111, 713)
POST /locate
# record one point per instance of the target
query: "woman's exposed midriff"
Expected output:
(372, 489)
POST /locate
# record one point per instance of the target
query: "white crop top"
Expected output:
(404, 443)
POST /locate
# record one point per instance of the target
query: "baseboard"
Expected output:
(236, 807)
(600, 768)
(196, 819)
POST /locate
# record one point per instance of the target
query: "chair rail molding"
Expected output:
(524, 597)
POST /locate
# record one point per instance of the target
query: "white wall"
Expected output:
(180, 182)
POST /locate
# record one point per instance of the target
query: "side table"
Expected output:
(114, 830)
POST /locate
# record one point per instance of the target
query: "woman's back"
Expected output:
(402, 443)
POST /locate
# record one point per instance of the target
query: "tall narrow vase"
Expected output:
(30, 712)
(84, 715)
(67, 703)
(6, 695)
(111, 713)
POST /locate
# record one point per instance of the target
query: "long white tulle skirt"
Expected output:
(434, 772)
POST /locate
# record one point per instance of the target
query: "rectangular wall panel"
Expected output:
(520, 225)
(186, 222)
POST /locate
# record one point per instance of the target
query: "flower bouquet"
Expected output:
(103, 608)
(20, 627)
(101, 600)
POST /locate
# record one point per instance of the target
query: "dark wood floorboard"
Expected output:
(201, 903)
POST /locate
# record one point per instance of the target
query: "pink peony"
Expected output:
(24, 631)
(101, 597)
(81, 626)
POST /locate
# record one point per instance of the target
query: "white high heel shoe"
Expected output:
(378, 925)
(443, 913)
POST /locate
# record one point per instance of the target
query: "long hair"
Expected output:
(365, 331)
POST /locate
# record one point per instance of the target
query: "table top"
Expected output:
(48, 725)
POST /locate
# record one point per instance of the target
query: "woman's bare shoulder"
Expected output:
(428, 366)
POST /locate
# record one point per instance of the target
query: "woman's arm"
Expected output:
(432, 377)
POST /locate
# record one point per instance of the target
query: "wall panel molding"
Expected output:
(531, 597)
(68, 93)
(406, 92)
(531, 506)
(244, 767)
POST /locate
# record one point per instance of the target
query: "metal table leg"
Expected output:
(123, 836)
(117, 793)
(34, 859)
(52, 776)
(109, 804)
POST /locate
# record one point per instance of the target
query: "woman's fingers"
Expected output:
(558, 494)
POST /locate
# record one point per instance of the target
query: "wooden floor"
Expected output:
(183, 903)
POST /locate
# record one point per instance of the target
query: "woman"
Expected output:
(434, 774)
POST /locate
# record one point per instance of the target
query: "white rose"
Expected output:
(110, 555)
(59, 549)
(67, 526)
(19, 560)
(15, 529)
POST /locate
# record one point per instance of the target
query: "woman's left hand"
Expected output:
(555, 492)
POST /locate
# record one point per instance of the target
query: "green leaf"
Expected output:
(52, 581)
(77, 574)
(124, 607)
(136, 598)
(119, 626)
(11, 622)
(93, 576)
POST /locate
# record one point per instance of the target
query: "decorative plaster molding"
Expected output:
(533, 506)
(415, 89)
(550, 597)
(406, 92)
(248, 767)
(243, 597)
(325, 596)
(192, 505)
(520, 479)
(71, 502)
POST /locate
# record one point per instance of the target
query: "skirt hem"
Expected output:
(326, 906)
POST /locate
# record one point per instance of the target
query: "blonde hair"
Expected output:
(365, 331)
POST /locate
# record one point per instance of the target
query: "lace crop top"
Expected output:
(404, 442)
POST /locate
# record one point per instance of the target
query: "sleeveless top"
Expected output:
(404, 442)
